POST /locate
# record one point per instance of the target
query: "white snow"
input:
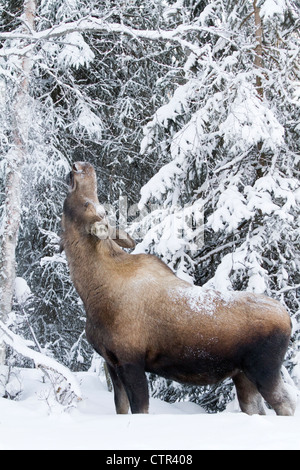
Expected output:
(34, 422)
(250, 121)
(76, 51)
(273, 7)
(200, 300)
(61, 373)
(87, 121)
(22, 290)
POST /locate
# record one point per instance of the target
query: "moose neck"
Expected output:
(110, 252)
(89, 193)
(89, 255)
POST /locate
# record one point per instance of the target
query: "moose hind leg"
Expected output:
(278, 396)
(263, 365)
(249, 398)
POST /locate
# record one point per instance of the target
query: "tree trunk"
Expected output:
(14, 165)
(258, 63)
(258, 60)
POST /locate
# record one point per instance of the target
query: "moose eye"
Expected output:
(101, 211)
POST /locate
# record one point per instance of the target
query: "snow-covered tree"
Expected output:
(15, 140)
(89, 92)
(227, 137)
(197, 103)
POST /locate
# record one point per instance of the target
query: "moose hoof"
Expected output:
(99, 230)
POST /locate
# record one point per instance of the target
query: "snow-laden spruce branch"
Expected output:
(40, 360)
(96, 25)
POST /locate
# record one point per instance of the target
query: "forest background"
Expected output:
(189, 111)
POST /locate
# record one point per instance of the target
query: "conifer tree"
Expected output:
(196, 104)
(228, 141)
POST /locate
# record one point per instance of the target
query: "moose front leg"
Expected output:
(135, 382)
(121, 399)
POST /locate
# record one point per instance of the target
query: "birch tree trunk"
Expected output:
(13, 184)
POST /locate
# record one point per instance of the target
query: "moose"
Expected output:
(142, 318)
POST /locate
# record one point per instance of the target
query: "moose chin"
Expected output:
(142, 318)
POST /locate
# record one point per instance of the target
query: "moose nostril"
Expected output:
(75, 167)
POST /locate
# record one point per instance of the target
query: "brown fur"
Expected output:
(141, 317)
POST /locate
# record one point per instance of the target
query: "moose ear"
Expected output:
(122, 238)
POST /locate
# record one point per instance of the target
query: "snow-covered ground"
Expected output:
(36, 422)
